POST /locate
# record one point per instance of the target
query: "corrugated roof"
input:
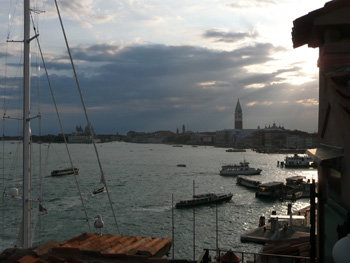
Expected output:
(90, 247)
(325, 153)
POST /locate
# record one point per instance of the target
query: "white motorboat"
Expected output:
(241, 169)
(298, 161)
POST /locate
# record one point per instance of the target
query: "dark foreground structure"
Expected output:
(328, 29)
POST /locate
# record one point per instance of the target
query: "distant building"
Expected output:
(234, 137)
(202, 138)
(238, 117)
(81, 136)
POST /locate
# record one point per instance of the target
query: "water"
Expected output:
(142, 179)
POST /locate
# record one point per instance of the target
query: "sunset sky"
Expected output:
(158, 64)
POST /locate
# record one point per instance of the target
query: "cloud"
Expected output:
(228, 37)
(86, 13)
(308, 102)
(251, 4)
(148, 87)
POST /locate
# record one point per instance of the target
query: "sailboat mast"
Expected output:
(27, 192)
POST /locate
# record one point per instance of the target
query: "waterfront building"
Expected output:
(202, 138)
(328, 29)
(238, 117)
(80, 136)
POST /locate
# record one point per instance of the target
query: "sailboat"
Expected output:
(87, 246)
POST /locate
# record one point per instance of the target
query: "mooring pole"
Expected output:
(194, 226)
(172, 223)
(313, 222)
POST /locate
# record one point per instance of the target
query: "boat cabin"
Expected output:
(270, 190)
(296, 180)
(248, 181)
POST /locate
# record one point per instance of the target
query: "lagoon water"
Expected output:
(143, 179)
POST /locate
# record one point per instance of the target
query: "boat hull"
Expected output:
(66, 171)
(247, 172)
(194, 202)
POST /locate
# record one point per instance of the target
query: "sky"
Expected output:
(155, 65)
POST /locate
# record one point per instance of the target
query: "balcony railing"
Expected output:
(250, 257)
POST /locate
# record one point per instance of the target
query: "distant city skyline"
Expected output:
(155, 65)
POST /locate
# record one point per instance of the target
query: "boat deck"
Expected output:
(263, 234)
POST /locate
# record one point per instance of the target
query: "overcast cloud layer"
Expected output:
(156, 65)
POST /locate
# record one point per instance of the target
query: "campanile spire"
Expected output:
(238, 117)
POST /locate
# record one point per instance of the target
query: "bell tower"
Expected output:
(238, 117)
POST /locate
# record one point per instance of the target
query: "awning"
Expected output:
(324, 153)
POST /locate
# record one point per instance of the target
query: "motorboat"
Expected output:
(299, 186)
(241, 169)
(99, 190)
(204, 199)
(248, 181)
(270, 190)
(65, 171)
(298, 161)
(297, 181)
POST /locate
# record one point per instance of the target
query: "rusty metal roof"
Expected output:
(90, 247)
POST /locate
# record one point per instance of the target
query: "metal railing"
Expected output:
(250, 257)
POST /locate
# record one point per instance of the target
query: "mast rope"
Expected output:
(61, 127)
(87, 117)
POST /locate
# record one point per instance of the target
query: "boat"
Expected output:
(298, 161)
(248, 181)
(278, 228)
(65, 171)
(298, 187)
(181, 165)
(87, 247)
(204, 199)
(231, 150)
(241, 169)
(270, 190)
(297, 181)
(99, 190)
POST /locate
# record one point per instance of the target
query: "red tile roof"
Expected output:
(90, 247)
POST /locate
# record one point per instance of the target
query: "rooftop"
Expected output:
(90, 247)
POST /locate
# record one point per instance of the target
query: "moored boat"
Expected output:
(241, 169)
(248, 181)
(298, 161)
(270, 190)
(65, 171)
(299, 186)
(296, 181)
(204, 199)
